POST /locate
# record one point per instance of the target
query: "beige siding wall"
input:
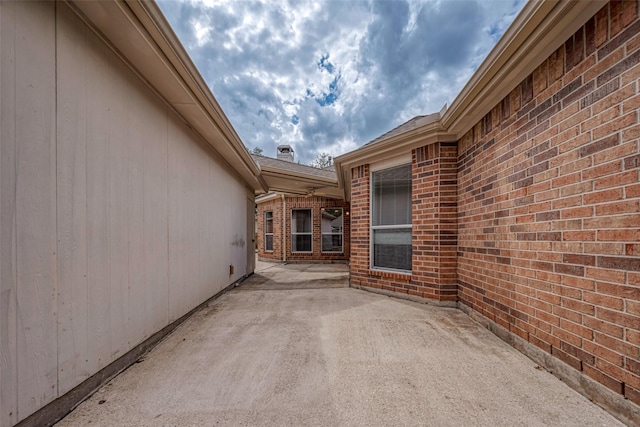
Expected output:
(114, 218)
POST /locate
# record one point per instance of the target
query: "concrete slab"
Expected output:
(285, 350)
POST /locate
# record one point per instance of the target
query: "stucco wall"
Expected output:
(115, 219)
(549, 205)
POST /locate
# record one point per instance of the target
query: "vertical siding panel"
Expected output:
(219, 231)
(71, 203)
(98, 66)
(215, 230)
(118, 212)
(251, 226)
(35, 205)
(228, 253)
(191, 225)
(204, 221)
(236, 244)
(140, 107)
(8, 319)
(176, 252)
(155, 222)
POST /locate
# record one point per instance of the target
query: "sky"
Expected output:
(327, 76)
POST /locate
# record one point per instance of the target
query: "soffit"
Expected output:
(298, 185)
(293, 178)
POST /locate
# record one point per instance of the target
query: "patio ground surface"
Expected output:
(295, 346)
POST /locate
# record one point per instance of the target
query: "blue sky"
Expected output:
(329, 76)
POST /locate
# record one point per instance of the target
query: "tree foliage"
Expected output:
(257, 151)
(322, 160)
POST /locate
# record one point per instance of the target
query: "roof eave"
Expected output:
(266, 170)
(164, 65)
(418, 137)
(267, 197)
(428, 134)
(538, 30)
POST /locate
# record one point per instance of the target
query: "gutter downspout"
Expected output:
(284, 229)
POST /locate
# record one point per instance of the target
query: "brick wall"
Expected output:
(549, 205)
(434, 220)
(275, 206)
(434, 186)
(314, 203)
(359, 258)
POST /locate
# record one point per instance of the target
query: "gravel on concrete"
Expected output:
(294, 346)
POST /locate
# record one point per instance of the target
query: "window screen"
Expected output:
(391, 218)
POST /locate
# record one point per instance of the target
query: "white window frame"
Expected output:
(310, 233)
(394, 163)
(265, 231)
(332, 233)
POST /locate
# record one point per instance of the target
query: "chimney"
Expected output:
(285, 152)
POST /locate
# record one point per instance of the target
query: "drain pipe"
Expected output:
(284, 230)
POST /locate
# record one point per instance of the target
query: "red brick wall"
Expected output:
(434, 186)
(359, 258)
(434, 218)
(315, 204)
(549, 205)
(274, 206)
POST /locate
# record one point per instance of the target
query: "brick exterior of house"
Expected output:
(549, 220)
(541, 201)
(433, 193)
(275, 206)
(314, 203)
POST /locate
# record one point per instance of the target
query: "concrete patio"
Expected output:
(294, 345)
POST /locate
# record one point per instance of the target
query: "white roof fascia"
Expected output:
(267, 197)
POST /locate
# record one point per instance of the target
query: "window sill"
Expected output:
(391, 274)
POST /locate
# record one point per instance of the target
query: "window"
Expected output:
(268, 231)
(301, 230)
(331, 228)
(391, 218)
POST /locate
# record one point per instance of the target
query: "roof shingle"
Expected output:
(294, 167)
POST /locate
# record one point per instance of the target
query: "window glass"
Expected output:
(391, 218)
(301, 230)
(331, 226)
(392, 248)
(268, 231)
(392, 196)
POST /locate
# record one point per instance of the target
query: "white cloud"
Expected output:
(385, 62)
